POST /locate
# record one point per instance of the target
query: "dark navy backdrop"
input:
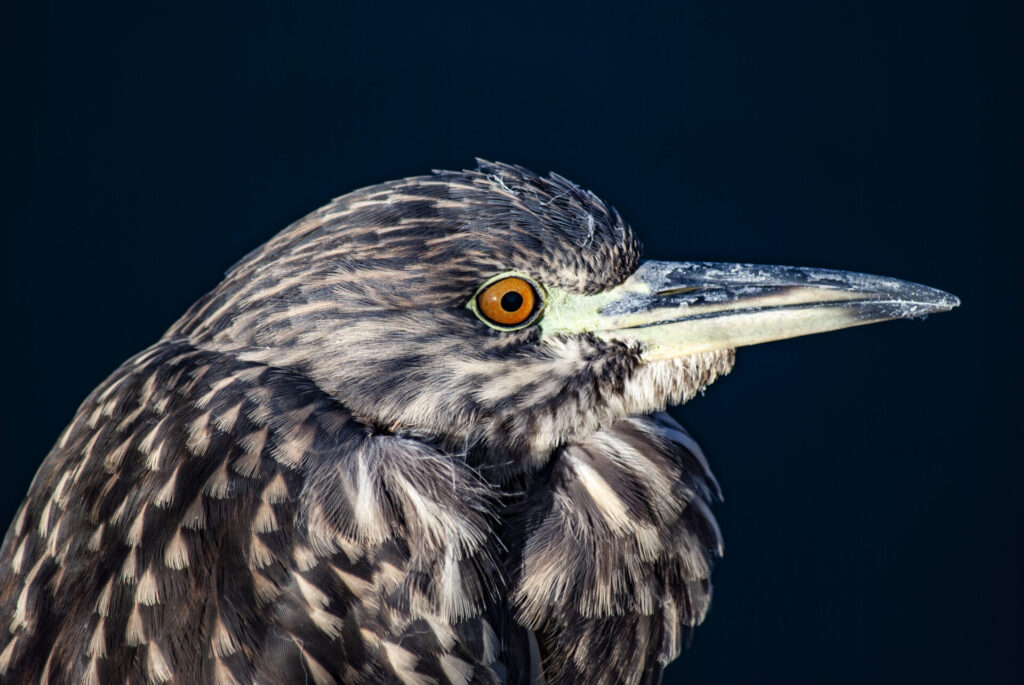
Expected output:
(873, 477)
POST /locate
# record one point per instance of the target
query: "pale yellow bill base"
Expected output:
(675, 309)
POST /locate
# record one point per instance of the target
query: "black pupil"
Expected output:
(511, 301)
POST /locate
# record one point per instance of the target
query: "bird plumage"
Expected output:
(329, 471)
(336, 468)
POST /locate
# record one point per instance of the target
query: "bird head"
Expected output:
(500, 311)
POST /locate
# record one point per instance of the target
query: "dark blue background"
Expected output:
(873, 477)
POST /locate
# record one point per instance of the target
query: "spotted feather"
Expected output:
(330, 471)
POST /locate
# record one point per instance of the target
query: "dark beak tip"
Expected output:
(943, 301)
(918, 308)
(919, 300)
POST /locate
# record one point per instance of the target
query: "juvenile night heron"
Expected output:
(416, 437)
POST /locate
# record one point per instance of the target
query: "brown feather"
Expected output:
(330, 471)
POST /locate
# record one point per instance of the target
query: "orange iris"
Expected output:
(507, 302)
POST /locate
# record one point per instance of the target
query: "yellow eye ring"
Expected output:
(508, 303)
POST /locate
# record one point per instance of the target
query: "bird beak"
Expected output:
(676, 309)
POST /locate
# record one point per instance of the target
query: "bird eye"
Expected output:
(508, 303)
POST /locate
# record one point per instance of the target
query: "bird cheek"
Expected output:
(660, 384)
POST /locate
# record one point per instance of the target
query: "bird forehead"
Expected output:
(425, 242)
(466, 226)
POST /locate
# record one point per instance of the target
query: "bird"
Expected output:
(419, 436)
